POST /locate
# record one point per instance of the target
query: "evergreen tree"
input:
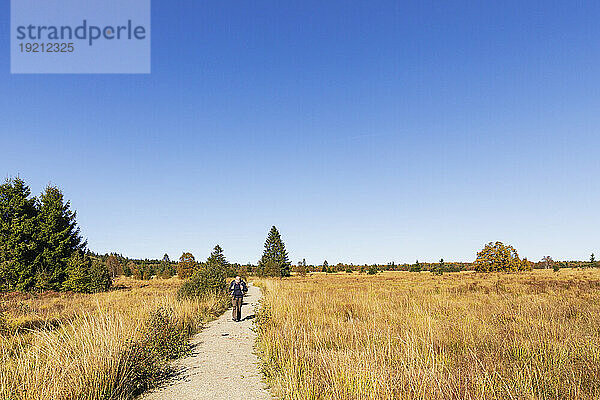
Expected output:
(274, 261)
(78, 273)
(18, 243)
(129, 268)
(165, 269)
(84, 275)
(214, 271)
(592, 261)
(58, 237)
(100, 279)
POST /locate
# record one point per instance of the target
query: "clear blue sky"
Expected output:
(365, 131)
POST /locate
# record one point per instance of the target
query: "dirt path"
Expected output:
(222, 365)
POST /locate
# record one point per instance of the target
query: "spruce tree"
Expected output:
(274, 261)
(58, 237)
(84, 275)
(78, 273)
(18, 242)
(165, 269)
(214, 272)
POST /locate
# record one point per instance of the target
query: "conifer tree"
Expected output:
(274, 261)
(214, 272)
(100, 279)
(18, 243)
(78, 273)
(165, 269)
(58, 237)
(84, 275)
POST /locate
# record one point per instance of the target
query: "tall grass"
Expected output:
(418, 336)
(105, 346)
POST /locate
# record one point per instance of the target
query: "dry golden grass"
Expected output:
(403, 335)
(79, 346)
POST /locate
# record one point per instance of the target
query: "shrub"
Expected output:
(439, 269)
(145, 362)
(301, 268)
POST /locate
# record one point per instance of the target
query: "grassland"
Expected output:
(403, 335)
(109, 345)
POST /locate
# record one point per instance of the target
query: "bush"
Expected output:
(372, 270)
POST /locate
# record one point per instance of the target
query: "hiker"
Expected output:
(237, 289)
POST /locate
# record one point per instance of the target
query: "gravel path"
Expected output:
(222, 365)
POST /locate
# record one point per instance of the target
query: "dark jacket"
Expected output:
(238, 289)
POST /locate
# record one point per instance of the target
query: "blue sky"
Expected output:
(365, 131)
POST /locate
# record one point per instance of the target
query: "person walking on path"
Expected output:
(237, 289)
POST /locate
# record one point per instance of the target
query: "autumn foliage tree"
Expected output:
(114, 266)
(500, 257)
(186, 265)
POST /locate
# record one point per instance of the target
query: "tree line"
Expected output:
(274, 262)
(41, 248)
